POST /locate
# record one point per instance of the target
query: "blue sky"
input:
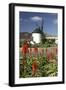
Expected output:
(28, 21)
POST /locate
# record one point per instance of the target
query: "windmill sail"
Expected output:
(42, 25)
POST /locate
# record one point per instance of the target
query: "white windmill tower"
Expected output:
(37, 34)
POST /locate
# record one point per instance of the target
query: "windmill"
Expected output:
(38, 34)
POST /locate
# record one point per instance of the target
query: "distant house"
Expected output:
(25, 36)
(52, 38)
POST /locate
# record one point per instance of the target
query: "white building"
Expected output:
(37, 35)
(53, 37)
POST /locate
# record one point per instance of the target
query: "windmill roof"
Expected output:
(38, 30)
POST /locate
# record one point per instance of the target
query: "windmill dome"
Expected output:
(38, 30)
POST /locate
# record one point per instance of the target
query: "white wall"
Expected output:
(36, 37)
(4, 44)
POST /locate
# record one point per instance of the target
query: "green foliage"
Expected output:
(45, 69)
(47, 43)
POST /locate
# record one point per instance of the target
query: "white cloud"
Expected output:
(36, 18)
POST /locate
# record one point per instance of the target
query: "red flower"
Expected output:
(34, 67)
(25, 48)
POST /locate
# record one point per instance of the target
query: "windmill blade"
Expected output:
(42, 24)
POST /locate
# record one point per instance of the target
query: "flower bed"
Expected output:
(38, 62)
